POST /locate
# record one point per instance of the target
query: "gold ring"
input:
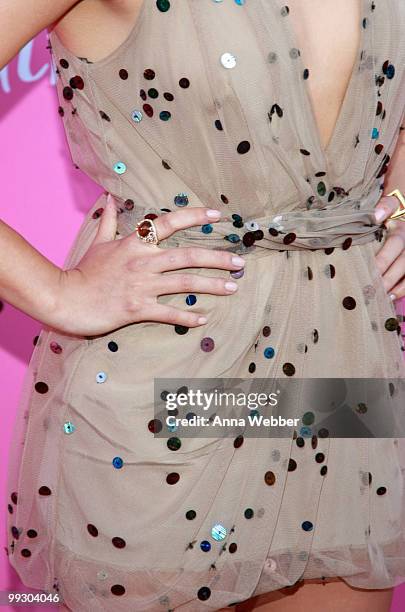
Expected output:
(399, 214)
(146, 231)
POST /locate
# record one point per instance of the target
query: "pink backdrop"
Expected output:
(44, 198)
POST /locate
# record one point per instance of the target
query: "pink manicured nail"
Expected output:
(379, 214)
(213, 214)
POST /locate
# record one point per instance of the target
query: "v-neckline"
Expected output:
(306, 96)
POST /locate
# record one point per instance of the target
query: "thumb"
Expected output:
(108, 223)
(385, 208)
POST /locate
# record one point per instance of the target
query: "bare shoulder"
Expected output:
(94, 28)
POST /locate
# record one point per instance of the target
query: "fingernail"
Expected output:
(379, 214)
(238, 261)
(202, 320)
(213, 214)
(393, 296)
(229, 286)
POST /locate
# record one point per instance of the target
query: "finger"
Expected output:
(107, 227)
(168, 223)
(398, 291)
(385, 207)
(195, 257)
(175, 316)
(395, 273)
(391, 249)
(184, 283)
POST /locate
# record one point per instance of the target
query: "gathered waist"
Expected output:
(350, 222)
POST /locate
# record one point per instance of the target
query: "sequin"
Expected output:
(238, 441)
(68, 427)
(288, 369)
(168, 96)
(112, 346)
(190, 515)
(391, 324)
(252, 367)
(101, 377)
(375, 133)
(233, 547)
(172, 478)
(119, 167)
(307, 526)
(44, 490)
(181, 199)
(136, 115)
(308, 418)
(165, 115)
(248, 239)
(64, 63)
(117, 463)
(323, 470)
(207, 344)
(163, 5)
(243, 147)
(266, 331)
(381, 490)
(269, 352)
(67, 93)
(129, 204)
(118, 542)
(173, 444)
(55, 348)
(117, 589)
(248, 513)
(300, 442)
(123, 74)
(25, 552)
(218, 532)
(349, 302)
(181, 329)
(92, 529)
(205, 546)
(41, 387)
(191, 300)
(228, 60)
(155, 425)
(270, 478)
(319, 457)
(294, 53)
(292, 465)
(218, 125)
(207, 228)
(204, 593)
(32, 533)
(76, 82)
(184, 83)
(102, 575)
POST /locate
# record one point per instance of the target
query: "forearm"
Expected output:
(28, 280)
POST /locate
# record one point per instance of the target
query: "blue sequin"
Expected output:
(120, 167)
(375, 133)
(207, 228)
(232, 238)
(389, 73)
(191, 300)
(101, 377)
(181, 199)
(205, 546)
(136, 116)
(68, 427)
(269, 352)
(306, 432)
(218, 532)
(307, 526)
(117, 463)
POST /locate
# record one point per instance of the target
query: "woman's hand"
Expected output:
(390, 259)
(117, 282)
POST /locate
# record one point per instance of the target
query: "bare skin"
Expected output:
(327, 32)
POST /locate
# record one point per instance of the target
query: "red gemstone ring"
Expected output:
(146, 231)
